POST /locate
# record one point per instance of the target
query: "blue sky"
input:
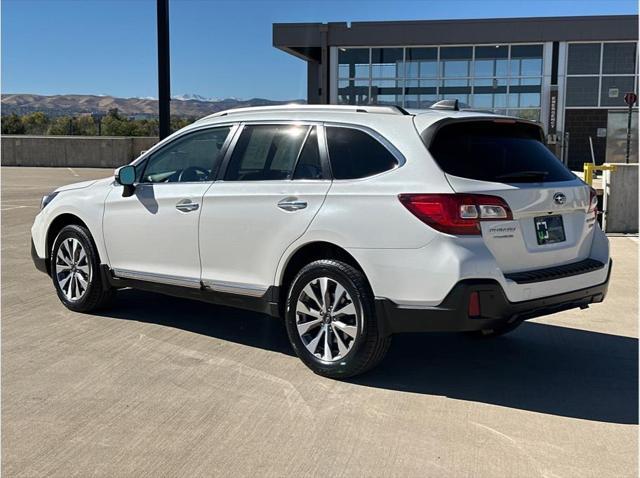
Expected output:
(218, 48)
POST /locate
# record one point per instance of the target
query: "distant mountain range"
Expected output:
(182, 105)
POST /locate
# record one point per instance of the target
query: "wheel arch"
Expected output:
(305, 254)
(64, 219)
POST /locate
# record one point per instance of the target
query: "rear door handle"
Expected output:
(292, 204)
(186, 205)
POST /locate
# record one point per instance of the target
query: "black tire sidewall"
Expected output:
(364, 305)
(94, 283)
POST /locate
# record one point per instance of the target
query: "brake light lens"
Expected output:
(458, 214)
(593, 201)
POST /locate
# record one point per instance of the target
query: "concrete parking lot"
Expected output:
(158, 386)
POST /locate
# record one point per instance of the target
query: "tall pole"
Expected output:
(630, 99)
(164, 76)
(628, 152)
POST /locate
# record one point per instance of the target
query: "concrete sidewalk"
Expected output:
(158, 386)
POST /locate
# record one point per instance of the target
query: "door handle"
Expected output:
(292, 204)
(187, 206)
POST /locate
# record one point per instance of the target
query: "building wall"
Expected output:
(72, 151)
(621, 199)
(489, 64)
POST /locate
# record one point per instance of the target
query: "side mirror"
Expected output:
(126, 175)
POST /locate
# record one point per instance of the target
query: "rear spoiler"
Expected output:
(429, 133)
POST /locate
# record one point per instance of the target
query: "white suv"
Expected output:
(353, 223)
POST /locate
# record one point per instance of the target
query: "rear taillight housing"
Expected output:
(458, 214)
(593, 201)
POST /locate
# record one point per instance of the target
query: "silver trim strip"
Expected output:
(160, 278)
(252, 290)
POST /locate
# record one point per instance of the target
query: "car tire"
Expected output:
(334, 333)
(497, 331)
(75, 271)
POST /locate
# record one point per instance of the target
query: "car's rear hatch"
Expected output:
(552, 223)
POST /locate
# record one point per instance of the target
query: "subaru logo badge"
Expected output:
(559, 199)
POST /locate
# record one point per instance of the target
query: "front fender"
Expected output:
(85, 204)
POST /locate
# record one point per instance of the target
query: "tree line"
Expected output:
(111, 124)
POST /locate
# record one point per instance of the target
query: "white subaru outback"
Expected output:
(353, 223)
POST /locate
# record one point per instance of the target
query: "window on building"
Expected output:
(421, 62)
(613, 89)
(484, 76)
(356, 154)
(618, 58)
(599, 74)
(266, 152)
(387, 62)
(583, 59)
(353, 75)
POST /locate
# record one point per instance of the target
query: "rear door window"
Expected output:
(356, 154)
(266, 152)
(496, 152)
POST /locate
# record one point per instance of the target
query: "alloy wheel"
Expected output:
(73, 270)
(327, 319)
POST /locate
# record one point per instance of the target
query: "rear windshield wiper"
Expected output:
(524, 175)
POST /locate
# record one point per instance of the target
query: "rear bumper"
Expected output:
(495, 309)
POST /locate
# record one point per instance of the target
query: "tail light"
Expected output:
(458, 214)
(593, 201)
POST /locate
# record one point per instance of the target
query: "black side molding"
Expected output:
(266, 304)
(41, 264)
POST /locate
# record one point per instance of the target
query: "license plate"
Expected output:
(549, 229)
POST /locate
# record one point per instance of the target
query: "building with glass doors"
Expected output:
(569, 73)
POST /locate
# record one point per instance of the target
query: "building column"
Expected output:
(313, 82)
(333, 75)
(324, 64)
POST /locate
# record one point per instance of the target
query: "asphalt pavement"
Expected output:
(158, 386)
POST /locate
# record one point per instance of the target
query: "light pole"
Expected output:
(630, 99)
(164, 76)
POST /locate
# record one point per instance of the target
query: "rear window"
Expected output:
(355, 154)
(497, 152)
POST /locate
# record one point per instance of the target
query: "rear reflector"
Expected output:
(458, 214)
(474, 305)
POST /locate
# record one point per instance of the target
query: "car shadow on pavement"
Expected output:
(541, 368)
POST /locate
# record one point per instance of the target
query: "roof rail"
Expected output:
(391, 109)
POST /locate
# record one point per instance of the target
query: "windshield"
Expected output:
(496, 152)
